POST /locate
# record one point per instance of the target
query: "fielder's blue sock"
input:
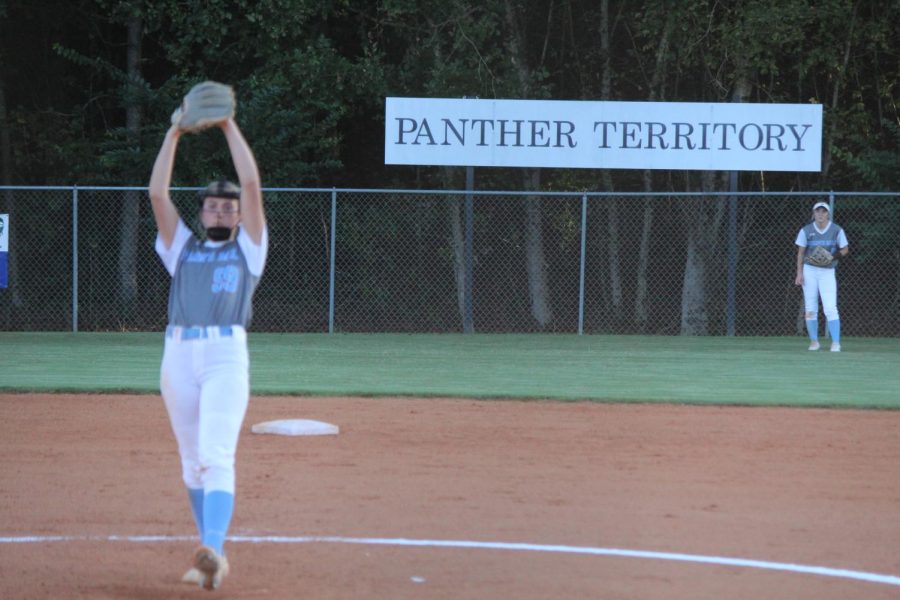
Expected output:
(196, 497)
(834, 330)
(217, 509)
(812, 327)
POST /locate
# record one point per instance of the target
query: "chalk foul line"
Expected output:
(513, 546)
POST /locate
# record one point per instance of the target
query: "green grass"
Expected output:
(709, 370)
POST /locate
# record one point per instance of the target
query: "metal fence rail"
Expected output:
(82, 258)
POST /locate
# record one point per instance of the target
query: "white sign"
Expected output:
(4, 233)
(603, 135)
(4, 250)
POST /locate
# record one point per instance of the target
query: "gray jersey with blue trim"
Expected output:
(828, 240)
(212, 285)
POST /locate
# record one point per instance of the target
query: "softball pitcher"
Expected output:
(819, 246)
(204, 376)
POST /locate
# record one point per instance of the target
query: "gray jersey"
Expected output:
(831, 240)
(211, 286)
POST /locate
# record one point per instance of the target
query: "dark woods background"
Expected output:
(87, 86)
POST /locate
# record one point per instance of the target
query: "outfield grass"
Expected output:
(708, 370)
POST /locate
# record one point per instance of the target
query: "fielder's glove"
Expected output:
(207, 104)
(819, 257)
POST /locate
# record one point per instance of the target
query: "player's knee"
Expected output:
(219, 479)
(832, 314)
(811, 315)
(191, 475)
(219, 476)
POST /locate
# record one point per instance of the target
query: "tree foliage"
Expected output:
(311, 76)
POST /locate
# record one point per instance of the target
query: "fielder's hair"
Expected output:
(219, 189)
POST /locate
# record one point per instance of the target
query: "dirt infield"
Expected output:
(424, 498)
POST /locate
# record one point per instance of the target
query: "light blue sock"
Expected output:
(834, 330)
(812, 327)
(218, 507)
(196, 497)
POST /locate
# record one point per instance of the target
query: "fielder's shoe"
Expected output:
(212, 567)
(195, 577)
(835, 347)
(813, 346)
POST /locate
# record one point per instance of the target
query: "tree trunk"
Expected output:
(536, 267)
(538, 290)
(455, 210)
(703, 219)
(457, 243)
(613, 257)
(694, 318)
(656, 93)
(826, 159)
(641, 283)
(613, 254)
(131, 207)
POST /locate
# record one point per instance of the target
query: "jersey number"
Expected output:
(225, 279)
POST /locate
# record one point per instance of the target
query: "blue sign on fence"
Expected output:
(4, 250)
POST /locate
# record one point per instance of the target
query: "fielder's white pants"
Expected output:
(205, 384)
(819, 282)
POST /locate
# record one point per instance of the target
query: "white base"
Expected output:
(295, 427)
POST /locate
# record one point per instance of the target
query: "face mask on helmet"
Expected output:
(219, 189)
(218, 234)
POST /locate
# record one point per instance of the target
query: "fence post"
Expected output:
(75, 259)
(581, 265)
(468, 323)
(331, 262)
(730, 309)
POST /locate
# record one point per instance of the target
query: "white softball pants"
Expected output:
(819, 282)
(205, 384)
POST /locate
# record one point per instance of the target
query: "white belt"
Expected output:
(213, 332)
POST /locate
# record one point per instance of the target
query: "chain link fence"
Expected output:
(398, 261)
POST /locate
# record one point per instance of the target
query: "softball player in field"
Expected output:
(820, 281)
(204, 376)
